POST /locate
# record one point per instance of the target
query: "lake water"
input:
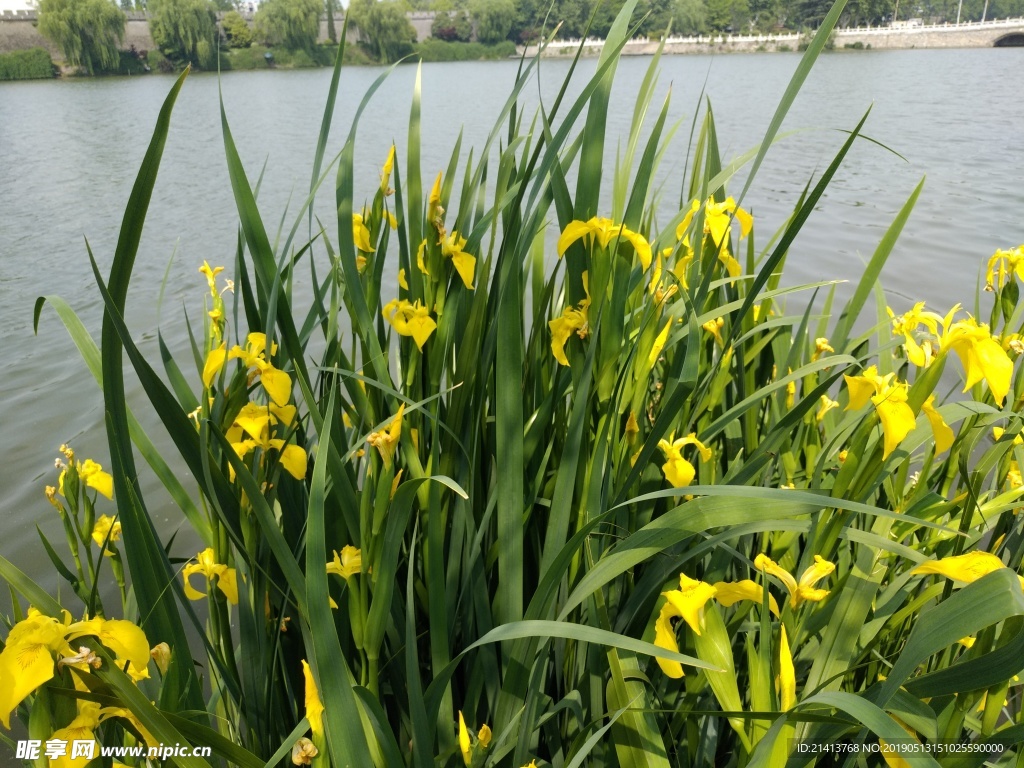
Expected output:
(69, 151)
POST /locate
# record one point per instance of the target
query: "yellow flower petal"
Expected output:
(465, 746)
(465, 265)
(730, 592)
(214, 362)
(573, 232)
(679, 472)
(360, 234)
(254, 419)
(277, 384)
(23, 668)
(314, 708)
(659, 343)
(227, 582)
(687, 219)
(665, 637)
(420, 263)
(787, 673)
(293, 459)
(944, 436)
(966, 568)
(896, 416)
(122, 637)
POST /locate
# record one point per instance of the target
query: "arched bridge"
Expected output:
(996, 33)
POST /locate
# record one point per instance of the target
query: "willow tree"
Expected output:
(185, 30)
(295, 24)
(384, 27)
(88, 32)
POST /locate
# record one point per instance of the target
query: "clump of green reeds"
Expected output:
(511, 503)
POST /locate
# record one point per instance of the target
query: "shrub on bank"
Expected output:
(254, 57)
(433, 49)
(33, 64)
(527, 474)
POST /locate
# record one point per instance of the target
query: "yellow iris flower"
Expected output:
(27, 659)
(253, 355)
(895, 414)
(1003, 265)
(717, 219)
(465, 264)
(573, 320)
(678, 471)
(803, 590)
(347, 563)
(386, 440)
(208, 567)
(435, 212)
(360, 234)
(827, 404)
(981, 355)
(255, 420)
(966, 568)
(821, 347)
(605, 231)
(92, 474)
(686, 603)
(714, 327)
(385, 172)
(410, 319)
(211, 276)
(104, 526)
(905, 325)
(314, 707)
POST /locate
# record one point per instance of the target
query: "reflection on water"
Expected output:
(69, 151)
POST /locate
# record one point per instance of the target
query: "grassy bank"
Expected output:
(536, 479)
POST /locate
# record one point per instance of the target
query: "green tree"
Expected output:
(184, 30)
(332, 33)
(728, 15)
(493, 19)
(236, 30)
(295, 24)
(384, 27)
(88, 32)
(689, 17)
(451, 27)
(526, 27)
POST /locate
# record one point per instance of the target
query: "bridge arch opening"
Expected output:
(1012, 40)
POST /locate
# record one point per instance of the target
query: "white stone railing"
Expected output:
(946, 27)
(795, 37)
(717, 38)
